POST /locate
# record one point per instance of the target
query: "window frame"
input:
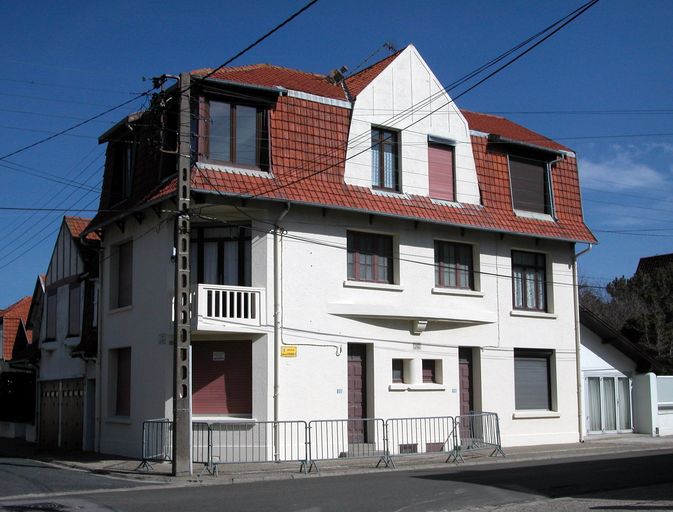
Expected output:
(548, 199)
(356, 251)
(436, 143)
(381, 142)
(440, 281)
(51, 330)
(120, 406)
(429, 366)
(77, 290)
(244, 252)
(400, 370)
(535, 354)
(116, 275)
(539, 286)
(262, 134)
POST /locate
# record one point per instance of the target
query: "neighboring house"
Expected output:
(67, 338)
(622, 393)
(650, 263)
(425, 271)
(17, 381)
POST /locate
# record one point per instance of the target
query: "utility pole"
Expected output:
(182, 464)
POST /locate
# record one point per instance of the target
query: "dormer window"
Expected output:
(531, 191)
(232, 133)
(122, 174)
(385, 168)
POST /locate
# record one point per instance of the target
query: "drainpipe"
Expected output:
(277, 234)
(578, 363)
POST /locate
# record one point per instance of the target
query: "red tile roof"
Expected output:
(308, 149)
(268, 75)
(11, 319)
(77, 224)
(507, 129)
(357, 82)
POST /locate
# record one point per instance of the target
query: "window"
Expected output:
(234, 133)
(74, 310)
(441, 164)
(398, 370)
(429, 371)
(370, 257)
(51, 314)
(532, 379)
(120, 381)
(221, 255)
(121, 278)
(530, 185)
(453, 265)
(222, 377)
(384, 159)
(529, 281)
(122, 175)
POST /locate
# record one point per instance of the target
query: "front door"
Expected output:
(357, 392)
(465, 380)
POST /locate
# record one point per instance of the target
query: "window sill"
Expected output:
(534, 215)
(532, 314)
(390, 193)
(119, 420)
(373, 286)
(446, 202)
(49, 345)
(233, 169)
(457, 291)
(535, 415)
(223, 419)
(114, 311)
(71, 342)
(416, 387)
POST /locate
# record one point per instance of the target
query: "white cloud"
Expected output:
(624, 170)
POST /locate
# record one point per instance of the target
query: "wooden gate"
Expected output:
(61, 414)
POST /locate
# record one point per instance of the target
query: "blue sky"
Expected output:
(602, 86)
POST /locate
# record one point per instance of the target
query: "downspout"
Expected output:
(277, 234)
(578, 363)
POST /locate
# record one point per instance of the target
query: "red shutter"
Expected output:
(440, 168)
(222, 377)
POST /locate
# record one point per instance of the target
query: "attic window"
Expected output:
(232, 133)
(530, 180)
(122, 176)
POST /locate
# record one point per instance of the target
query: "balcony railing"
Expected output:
(240, 305)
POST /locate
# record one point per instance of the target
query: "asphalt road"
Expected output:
(645, 478)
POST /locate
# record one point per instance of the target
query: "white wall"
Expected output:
(600, 358)
(321, 308)
(145, 326)
(406, 82)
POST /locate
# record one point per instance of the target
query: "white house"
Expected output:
(65, 331)
(622, 392)
(426, 258)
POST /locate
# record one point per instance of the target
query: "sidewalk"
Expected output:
(607, 445)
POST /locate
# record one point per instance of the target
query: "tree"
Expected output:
(640, 307)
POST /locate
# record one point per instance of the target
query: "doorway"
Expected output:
(357, 392)
(465, 376)
(608, 405)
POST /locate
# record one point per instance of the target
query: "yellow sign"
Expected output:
(288, 351)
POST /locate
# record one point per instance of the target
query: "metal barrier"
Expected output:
(157, 442)
(347, 439)
(477, 431)
(201, 444)
(257, 441)
(415, 436)
(216, 443)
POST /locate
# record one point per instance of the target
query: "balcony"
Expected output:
(221, 308)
